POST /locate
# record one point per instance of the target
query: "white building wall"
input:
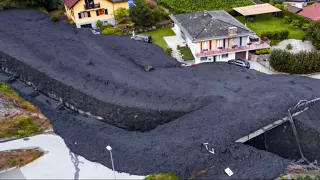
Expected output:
(177, 30)
(194, 47)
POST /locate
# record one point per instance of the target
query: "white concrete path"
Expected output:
(258, 67)
(59, 162)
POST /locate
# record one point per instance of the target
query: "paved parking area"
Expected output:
(172, 42)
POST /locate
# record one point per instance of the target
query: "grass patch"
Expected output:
(186, 53)
(18, 158)
(271, 23)
(157, 36)
(8, 93)
(22, 126)
(167, 176)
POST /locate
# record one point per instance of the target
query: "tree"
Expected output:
(313, 33)
(141, 14)
(121, 13)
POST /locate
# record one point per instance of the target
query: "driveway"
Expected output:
(172, 42)
(58, 162)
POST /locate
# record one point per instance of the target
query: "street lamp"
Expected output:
(109, 149)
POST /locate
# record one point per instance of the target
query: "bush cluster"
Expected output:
(300, 63)
(275, 35)
(293, 16)
(54, 19)
(289, 46)
(108, 31)
(263, 51)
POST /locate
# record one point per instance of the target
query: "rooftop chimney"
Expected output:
(205, 13)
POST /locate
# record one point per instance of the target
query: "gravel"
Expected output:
(240, 101)
(6, 110)
(297, 45)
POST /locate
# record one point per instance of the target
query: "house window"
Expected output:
(100, 12)
(106, 11)
(203, 58)
(224, 55)
(84, 14)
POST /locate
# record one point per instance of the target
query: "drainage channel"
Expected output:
(291, 137)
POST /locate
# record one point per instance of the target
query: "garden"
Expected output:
(261, 23)
(157, 36)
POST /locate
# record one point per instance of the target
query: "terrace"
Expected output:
(250, 47)
(91, 5)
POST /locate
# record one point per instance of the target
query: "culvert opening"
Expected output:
(281, 141)
(295, 137)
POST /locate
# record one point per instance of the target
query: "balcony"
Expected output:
(91, 6)
(253, 46)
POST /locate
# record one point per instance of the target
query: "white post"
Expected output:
(247, 55)
(114, 172)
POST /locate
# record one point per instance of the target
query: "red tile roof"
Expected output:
(312, 12)
(70, 3)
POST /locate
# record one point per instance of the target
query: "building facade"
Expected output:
(86, 13)
(215, 36)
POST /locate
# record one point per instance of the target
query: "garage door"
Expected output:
(241, 55)
(86, 26)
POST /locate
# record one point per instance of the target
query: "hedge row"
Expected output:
(275, 35)
(300, 63)
(263, 51)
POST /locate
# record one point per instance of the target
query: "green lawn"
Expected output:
(157, 36)
(186, 52)
(269, 23)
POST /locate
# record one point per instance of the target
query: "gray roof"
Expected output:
(293, 9)
(204, 25)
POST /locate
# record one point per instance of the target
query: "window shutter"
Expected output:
(89, 15)
(106, 11)
(97, 12)
(79, 14)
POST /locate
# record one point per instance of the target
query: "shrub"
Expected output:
(275, 35)
(54, 19)
(287, 20)
(99, 24)
(289, 46)
(108, 31)
(263, 51)
(305, 26)
(313, 33)
(300, 63)
(109, 26)
(148, 68)
(169, 51)
(13, 162)
(167, 176)
(295, 24)
(120, 29)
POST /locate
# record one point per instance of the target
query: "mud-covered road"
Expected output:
(221, 103)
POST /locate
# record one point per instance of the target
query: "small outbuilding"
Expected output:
(293, 9)
(265, 8)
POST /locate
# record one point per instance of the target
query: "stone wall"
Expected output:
(129, 118)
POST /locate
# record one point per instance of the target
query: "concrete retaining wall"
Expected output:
(124, 117)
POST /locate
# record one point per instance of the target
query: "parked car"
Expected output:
(240, 62)
(142, 37)
(96, 31)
